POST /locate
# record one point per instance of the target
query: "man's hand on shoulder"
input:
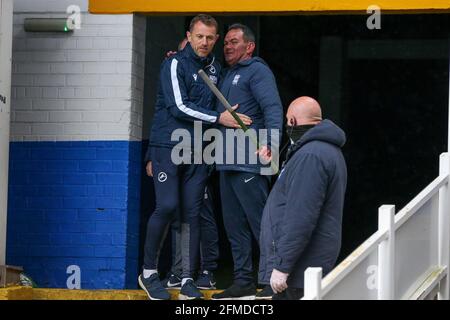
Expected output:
(170, 53)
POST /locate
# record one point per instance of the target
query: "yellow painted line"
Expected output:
(16, 293)
(65, 294)
(259, 6)
(26, 293)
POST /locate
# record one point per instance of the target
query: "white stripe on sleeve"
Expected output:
(179, 100)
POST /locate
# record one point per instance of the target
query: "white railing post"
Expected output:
(444, 226)
(313, 284)
(386, 258)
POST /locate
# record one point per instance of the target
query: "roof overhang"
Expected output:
(263, 6)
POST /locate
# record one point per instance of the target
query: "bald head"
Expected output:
(303, 111)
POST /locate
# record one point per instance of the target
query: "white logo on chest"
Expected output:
(213, 79)
(236, 79)
(195, 77)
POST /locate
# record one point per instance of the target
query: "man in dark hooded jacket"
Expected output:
(302, 219)
(244, 184)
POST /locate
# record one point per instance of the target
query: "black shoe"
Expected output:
(236, 292)
(152, 286)
(172, 282)
(189, 291)
(206, 280)
(265, 294)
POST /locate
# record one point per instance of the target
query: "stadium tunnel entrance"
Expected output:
(387, 88)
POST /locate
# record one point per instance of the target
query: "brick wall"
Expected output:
(75, 159)
(70, 203)
(77, 86)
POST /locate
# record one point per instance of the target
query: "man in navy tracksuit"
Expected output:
(249, 83)
(183, 98)
(302, 220)
(209, 235)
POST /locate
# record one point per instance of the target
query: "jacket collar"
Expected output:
(204, 61)
(247, 62)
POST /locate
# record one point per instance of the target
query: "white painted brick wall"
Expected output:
(47, 104)
(65, 116)
(31, 116)
(87, 128)
(84, 85)
(84, 104)
(50, 92)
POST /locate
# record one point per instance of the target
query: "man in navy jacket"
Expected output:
(250, 84)
(183, 100)
(302, 219)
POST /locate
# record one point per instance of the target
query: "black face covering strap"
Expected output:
(296, 132)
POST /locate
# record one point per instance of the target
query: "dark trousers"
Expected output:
(179, 189)
(243, 197)
(289, 294)
(209, 237)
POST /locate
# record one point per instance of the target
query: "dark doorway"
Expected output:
(388, 89)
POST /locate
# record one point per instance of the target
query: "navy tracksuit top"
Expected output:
(251, 84)
(183, 97)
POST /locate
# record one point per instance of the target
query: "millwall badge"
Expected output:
(212, 69)
(162, 176)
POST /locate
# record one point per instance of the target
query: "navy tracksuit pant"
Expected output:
(209, 237)
(243, 197)
(179, 189)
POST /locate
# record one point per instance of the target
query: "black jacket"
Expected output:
(302, 218)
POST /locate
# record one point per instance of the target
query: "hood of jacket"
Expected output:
(325, 131)
(247, 62)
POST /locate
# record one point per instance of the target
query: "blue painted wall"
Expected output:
(75, 203)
